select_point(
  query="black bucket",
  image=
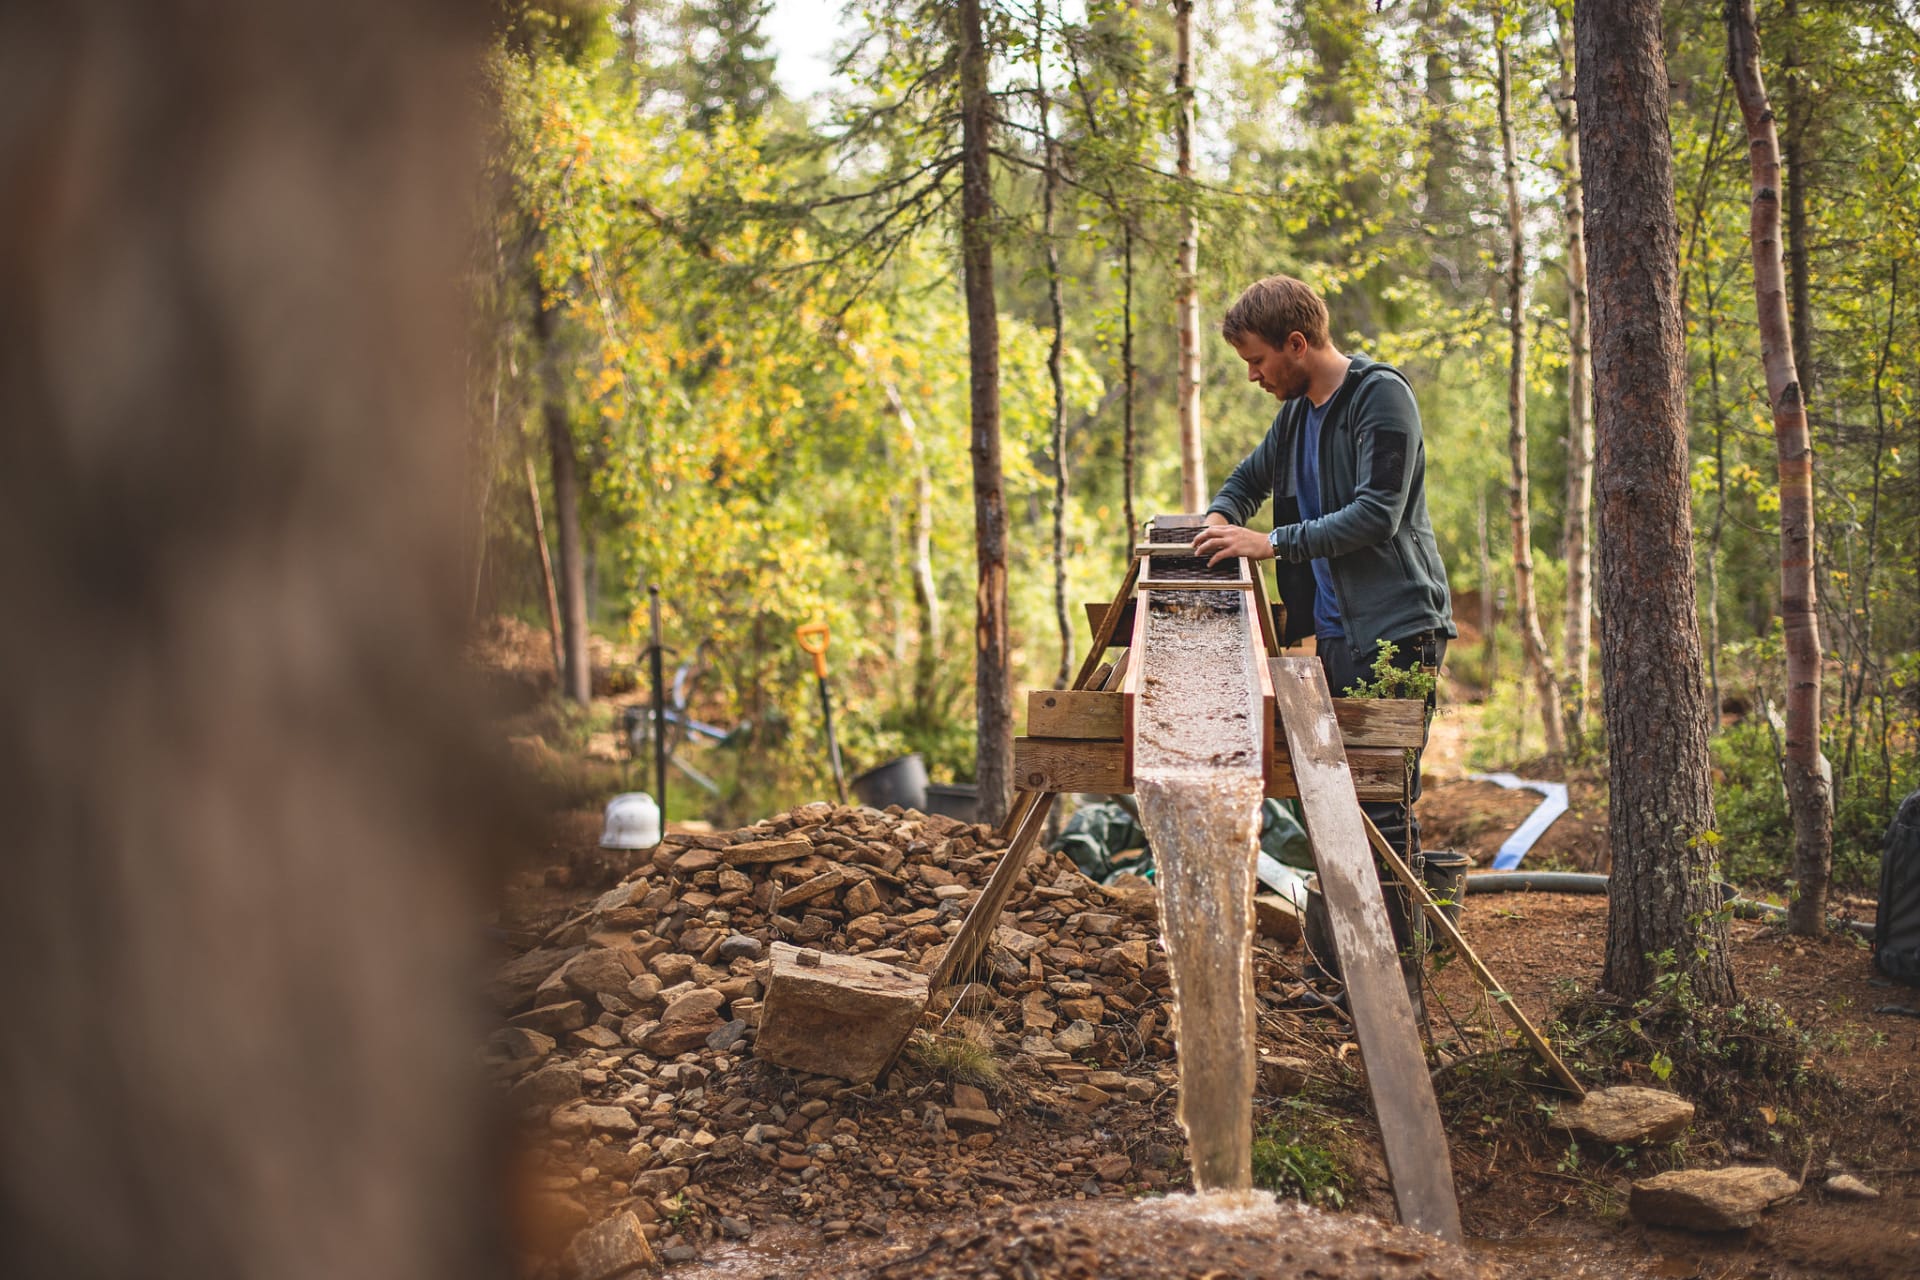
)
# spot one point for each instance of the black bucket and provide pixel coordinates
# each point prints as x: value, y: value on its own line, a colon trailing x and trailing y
x: 1445, y: 873
x: 901, y: 781
x: 954, y: 800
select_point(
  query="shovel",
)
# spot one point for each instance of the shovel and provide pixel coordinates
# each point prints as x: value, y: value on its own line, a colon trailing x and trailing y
x: 813, y: 637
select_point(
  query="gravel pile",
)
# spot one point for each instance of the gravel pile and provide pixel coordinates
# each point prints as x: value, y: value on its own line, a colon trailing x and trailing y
x: 628, y: 1045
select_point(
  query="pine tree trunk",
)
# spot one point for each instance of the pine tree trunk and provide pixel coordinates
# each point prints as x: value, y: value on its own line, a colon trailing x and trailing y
x: 993, y: 696
x: 1809, y: 787
x: 1519, y: 513
x: 1663, y: 907
x: 1126, y: 376
x: 1577, y: 647
x: 1056, y: 303
x: 1193, y: 469
x: 546, y: 567
x: 576, y: 681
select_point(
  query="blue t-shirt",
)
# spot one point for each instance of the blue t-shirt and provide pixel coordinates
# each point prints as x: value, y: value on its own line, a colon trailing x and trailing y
x: 1326, y: 608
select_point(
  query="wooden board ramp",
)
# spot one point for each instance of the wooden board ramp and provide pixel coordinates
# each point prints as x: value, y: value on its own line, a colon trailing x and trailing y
x: 1418, y: 1165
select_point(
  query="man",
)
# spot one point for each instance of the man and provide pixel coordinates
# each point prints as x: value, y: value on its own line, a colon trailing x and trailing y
x: 1358, y: 565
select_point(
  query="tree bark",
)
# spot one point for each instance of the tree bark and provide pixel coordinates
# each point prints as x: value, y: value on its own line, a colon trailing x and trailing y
x: 993, y: 696
x: 1809, y: 785
x: 576, y: 681
x: 1056, y: 303
x: 1126, y: 377
x: 1664, y: 911
x: 1193, y: 469
x: 1519, y: 507
x: 244, y: 825
x: 1796, y: 179
x: 1577, y: 645
x: 926, y: 594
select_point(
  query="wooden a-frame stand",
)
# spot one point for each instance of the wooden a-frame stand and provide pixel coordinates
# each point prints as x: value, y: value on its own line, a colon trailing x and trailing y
x: 1331, y: 755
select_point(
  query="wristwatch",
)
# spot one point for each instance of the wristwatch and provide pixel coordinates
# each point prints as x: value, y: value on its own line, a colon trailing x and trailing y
x: 1273, y: 540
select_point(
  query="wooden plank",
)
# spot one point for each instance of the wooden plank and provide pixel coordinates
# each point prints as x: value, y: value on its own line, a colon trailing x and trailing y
x: 1096, y: 609
x: 1378, y: 722
x: 1418, y: 1165
x: 1488, y: 982
x: 1377, y: 774
x: 1070, y: 764
x: 964, y: 952
x: 1073, y: 713
x: 1119, y: 673
x: 1195, y: 584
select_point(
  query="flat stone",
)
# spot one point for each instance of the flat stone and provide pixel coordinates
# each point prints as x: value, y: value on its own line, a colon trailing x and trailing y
x: 663, y: 1181
x: 548, y: 1087
x: 553, y: 1019
x: 1710, y: 1199
x: 845, y: 1016
x: 1626, y: 1114
x: 969, y: 1097
x: 1113, y: 1168
x: 861, y: 898
x: 973, y: 1118
x: 699, y: 1005
x: 600, y: 971
x: 760, y: 852
x: 515, y: 981
x: 608, y: 1249
x: 597, y: 1037
x: 519, y: 1044
x: 728, y: 1035
x: 610, y: 1119
x: 671, y: 1039
x: 1274, y: 917
x: 1848, y: 1187
x: 1077, y: 1038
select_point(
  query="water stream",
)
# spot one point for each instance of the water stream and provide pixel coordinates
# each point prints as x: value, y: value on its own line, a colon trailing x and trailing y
x: 1198, y: 779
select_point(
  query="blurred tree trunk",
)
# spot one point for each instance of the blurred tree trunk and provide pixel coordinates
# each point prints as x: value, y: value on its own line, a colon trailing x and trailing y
x: 1663, y: 906
x: 1519, y: 507
x: 1186, y: 306
x: 926, y: 593
x: 236, y: 934
x: 576, y: 679
x: 993, y: 694
x: 1809, y: 785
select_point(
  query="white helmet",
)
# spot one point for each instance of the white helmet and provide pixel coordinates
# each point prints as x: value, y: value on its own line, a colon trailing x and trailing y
x: 633, y: 822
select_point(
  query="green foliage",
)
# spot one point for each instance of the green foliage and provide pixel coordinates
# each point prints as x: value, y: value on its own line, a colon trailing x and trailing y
x: 1298, y: 1153
x: 1390, y: 681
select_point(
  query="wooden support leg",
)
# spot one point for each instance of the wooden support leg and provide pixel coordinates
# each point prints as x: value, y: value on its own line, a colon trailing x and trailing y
x: 976, y: 930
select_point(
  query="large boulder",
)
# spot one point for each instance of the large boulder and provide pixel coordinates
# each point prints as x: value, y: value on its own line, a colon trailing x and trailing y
x: 1710, y: 1199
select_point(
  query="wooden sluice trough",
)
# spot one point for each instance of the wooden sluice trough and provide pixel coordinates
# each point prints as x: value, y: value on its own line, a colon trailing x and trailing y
x: 1330, y: 755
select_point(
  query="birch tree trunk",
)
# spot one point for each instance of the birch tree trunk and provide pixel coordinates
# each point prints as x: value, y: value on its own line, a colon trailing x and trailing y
x: 1050, y: 181
x: 1661, y: 898
x: 1577, y: 645
x: 1519, y: 513
x: 993, y: 696
x: 926, y: 594
x: 546, y: 567
x: 1809, y: 785
x: 1193, y: 470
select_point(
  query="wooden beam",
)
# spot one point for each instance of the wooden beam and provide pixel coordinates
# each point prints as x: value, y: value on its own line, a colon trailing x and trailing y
x: 1195, y: 584
x: 1382, y: 722
x: 970, y: 943
x: 1070, y: 713
x: 1068, y: 764
x: 1418, y: 1166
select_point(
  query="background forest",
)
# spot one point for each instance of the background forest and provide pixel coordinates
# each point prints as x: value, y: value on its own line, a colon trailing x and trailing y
x: 724, y: 348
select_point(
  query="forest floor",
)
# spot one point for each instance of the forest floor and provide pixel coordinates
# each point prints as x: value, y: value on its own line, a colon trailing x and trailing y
x: 735, y: 1168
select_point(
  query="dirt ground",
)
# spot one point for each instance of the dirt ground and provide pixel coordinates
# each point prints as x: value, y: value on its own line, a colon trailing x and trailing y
x: 1080, y: 1183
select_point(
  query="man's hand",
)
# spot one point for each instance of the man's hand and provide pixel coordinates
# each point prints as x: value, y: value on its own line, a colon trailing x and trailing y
x: 1218, y: 542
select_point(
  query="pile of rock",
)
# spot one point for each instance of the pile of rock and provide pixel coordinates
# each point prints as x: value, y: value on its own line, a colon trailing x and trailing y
x: 631, y: 1026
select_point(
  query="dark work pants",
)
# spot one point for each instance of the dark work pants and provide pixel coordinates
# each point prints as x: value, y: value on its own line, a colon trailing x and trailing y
x: 1345, y: 668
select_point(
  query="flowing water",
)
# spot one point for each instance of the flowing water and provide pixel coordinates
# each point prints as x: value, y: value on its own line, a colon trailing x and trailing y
x: 1198, y: 776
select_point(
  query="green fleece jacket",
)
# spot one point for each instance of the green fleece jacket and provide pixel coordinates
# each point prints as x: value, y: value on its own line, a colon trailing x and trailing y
x: 1374, y: 534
